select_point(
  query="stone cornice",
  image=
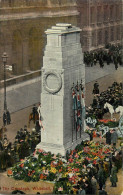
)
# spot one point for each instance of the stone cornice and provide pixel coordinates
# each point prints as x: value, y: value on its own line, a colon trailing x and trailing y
x: 6, y: 17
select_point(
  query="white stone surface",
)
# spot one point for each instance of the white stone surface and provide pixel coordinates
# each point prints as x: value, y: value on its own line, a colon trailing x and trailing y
x: 62, y: 65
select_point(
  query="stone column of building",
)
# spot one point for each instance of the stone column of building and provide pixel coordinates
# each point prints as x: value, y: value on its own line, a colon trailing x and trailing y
x: 62, y: 65
x: 25, y: 55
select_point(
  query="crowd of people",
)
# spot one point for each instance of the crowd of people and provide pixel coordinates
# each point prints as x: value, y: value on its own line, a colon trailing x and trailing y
x: 94, y: 176
x: 24, y: 145
x: 113, y: 95
x: 111, y: 54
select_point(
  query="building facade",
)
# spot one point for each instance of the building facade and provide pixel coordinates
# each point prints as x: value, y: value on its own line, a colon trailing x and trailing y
x: 101, y: 23
x: 23, y: 23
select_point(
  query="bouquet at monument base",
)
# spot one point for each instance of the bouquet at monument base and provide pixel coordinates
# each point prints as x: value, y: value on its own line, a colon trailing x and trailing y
x: 64, y: 172
x: 109, y: 123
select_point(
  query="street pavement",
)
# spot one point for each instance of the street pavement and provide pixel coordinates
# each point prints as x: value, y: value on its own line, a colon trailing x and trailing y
x: 25, y: 94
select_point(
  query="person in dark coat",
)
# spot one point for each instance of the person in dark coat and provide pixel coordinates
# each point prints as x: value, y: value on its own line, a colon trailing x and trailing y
x: 4, y: 118
x: 113, y: 176
x: 114, y: 137
x: 96, y: 88
x: 34, y: 111
x: 115, y: 62
x: 101, y: 63
x: 93, y: 185
x: 91, y: 135
x: 108, y: 137
x: 101, y: 177
x: 103, y: 192
x: 1, y: 146
x: 8, y: 117
x: 81, y: 191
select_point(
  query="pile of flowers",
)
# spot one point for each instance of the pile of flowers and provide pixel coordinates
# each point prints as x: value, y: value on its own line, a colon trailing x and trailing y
x: 94, y: 132
x: 65, y: 172
x: 110, y: 123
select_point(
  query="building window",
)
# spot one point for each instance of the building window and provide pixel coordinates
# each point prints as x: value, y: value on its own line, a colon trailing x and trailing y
x: 92, y: 13
x: 106, y: 13
x: 99, y: 38
x: 10, y: 3
x: 112, y: 34
x: 111, y: 12
x: 118, y: 11
x: 118, y: 33
x: 106, y: 37
x: 93, y: 39
x: 99, y: 14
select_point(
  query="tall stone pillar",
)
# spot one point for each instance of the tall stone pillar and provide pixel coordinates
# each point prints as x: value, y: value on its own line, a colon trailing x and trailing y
x: 62, y: 66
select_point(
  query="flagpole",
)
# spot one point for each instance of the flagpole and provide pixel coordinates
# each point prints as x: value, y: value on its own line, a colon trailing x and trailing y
x: 73, y: 118
x: 73, y: 126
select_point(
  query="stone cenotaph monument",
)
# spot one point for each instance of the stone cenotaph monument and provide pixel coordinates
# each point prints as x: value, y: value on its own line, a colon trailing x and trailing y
x: 62, y: 66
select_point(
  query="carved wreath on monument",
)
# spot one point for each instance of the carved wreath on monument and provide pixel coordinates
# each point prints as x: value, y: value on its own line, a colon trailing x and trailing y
x: 52, y: 82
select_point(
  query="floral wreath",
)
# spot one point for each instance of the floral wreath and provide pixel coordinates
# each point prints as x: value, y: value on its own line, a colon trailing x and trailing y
x: 50, y: 90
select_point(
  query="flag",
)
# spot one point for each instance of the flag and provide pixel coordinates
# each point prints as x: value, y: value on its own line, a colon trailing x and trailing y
x: 78, y: 101
x: 74, y: 100
x: 79, y: 121
x: 82, y: 99
x: 83, y: 105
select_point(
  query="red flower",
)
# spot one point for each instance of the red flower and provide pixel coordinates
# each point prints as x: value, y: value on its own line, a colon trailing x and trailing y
x: 88, y: 158
x: 29, y: 174
x: 106, y: 120
x: 21, y: 165
x: 76, y: 169
x: 70, y: 160
x: 60, y: 170
x: 9, y: 172
x: 94, y: 134
x: 45, y: 154
x: 71, y: 152
x: 97, y: 143
x: 76, y: 155
x: 40, y: 150
x: 86, y: 149
x: 60, y: 189
x: 41, y: 176
x: 94, y: 162
x: 34, y: 153
x: 77, y: 162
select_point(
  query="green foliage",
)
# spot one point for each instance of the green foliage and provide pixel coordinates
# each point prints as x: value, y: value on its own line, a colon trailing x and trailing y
x: 79, y: 147
x: 51, y: 177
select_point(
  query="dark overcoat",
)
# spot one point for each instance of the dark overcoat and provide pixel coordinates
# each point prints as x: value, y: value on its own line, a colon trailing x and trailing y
x: 108, y: 138
x: 113, y: 177
x: 114, y: 137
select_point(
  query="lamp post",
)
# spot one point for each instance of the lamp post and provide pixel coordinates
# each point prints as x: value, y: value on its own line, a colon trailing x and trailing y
x: 4, y: 58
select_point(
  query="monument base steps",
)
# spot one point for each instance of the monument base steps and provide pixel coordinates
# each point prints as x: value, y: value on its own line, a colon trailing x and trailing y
x: 62, y: 149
